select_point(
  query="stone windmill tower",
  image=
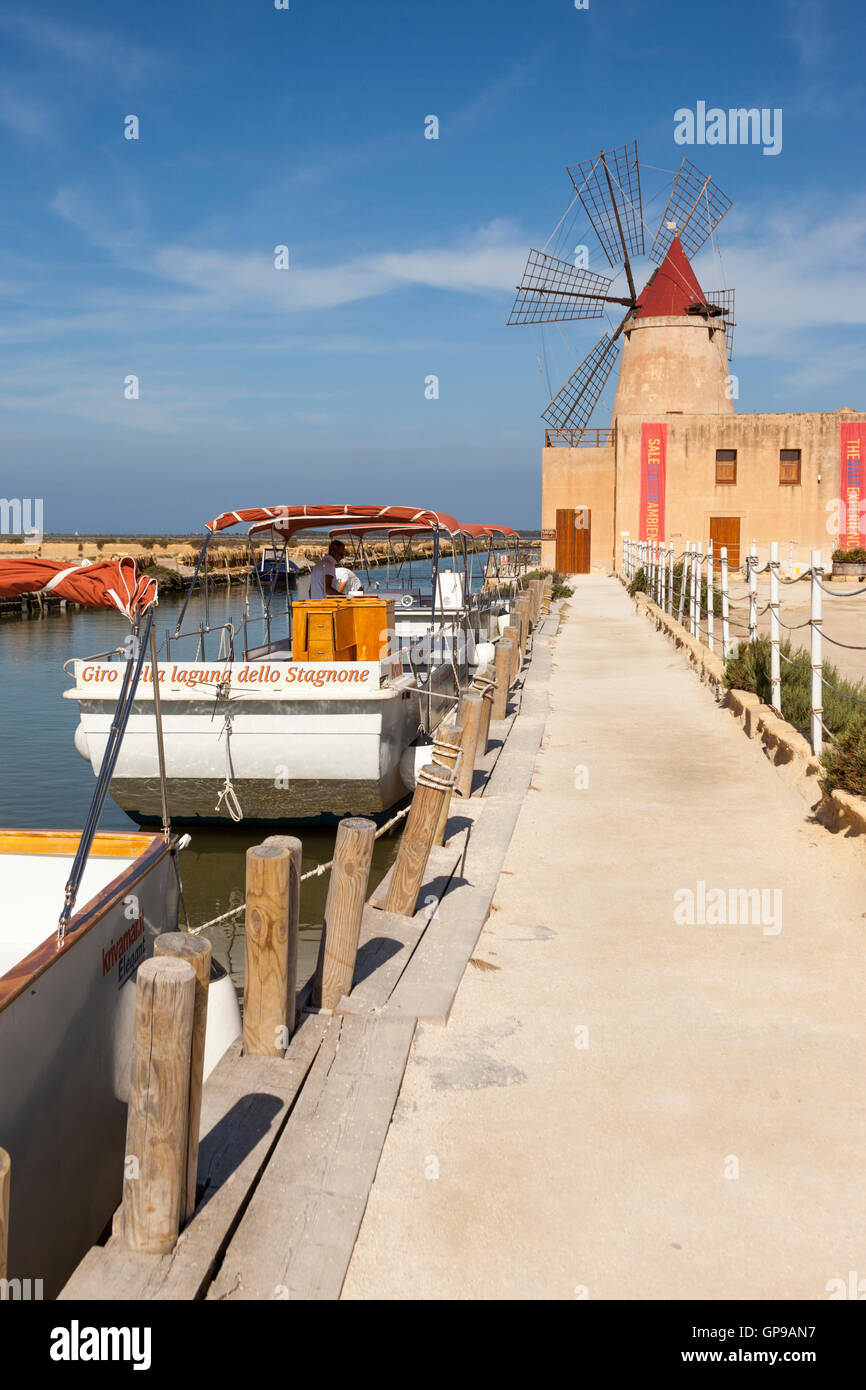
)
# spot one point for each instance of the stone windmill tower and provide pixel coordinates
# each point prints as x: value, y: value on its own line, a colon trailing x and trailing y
x: 677, y: 339
x: 674, y: 356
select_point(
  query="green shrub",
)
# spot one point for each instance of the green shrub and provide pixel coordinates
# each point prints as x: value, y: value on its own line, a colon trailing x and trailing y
x: 559, y: 587
x: 640, y: 583
x: 844, y: 760
x: 750, y: 670
x: 855, y: 556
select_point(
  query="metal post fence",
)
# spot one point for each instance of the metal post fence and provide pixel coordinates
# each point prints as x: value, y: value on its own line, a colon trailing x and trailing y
x: 711, y: 600
x: 775, y: 662
x: 692, y: 596
x: 670, y: 603
x: 683, y: 574
x: 817, y: 662
x: 752, y: 567
x: 663, y: 574
x: 726, y: 627
x: 698, y: 589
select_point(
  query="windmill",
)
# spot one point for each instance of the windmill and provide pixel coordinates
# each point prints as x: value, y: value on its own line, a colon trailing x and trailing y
x: 554, y: 291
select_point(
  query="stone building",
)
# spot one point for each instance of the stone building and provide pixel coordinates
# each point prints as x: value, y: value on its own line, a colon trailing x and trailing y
x: 679, y: 464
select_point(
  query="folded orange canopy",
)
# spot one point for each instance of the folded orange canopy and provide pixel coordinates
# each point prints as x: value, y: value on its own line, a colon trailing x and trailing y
x: 105, y: 584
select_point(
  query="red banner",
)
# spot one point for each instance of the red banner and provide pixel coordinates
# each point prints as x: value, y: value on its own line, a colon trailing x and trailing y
x: 852, y: 438
x: 653, y: 458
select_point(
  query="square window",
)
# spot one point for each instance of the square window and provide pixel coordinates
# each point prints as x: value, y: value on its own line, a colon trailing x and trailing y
x: 726, y: 465
x: 789, y: 466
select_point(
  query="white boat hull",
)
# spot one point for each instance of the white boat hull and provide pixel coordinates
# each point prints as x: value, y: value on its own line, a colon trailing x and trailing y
x: 65, y: 1063
x: 288, y: 754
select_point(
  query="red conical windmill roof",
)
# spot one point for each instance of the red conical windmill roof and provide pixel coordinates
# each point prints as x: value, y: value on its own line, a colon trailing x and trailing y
x: 672, y: 288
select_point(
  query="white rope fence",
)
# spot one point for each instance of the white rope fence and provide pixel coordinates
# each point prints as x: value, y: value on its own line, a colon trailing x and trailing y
x: 694, y: 606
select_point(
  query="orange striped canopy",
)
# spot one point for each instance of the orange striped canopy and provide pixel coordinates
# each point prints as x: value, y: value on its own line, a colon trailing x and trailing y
x: 287, y: 520
x: 104, y: 584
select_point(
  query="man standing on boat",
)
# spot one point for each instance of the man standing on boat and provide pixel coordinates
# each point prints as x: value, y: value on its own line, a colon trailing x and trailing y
x: 323, y: 576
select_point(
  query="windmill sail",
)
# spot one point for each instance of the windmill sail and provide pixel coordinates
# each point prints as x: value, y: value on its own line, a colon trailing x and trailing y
x: 552, y: 291
x: 724, y: 301
x: 694, y: 209
x: 609, y: 188
x: 573, y: 405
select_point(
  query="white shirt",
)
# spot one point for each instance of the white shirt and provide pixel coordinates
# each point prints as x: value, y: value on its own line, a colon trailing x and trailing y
x: 349, y: 580
x: 326, y: 566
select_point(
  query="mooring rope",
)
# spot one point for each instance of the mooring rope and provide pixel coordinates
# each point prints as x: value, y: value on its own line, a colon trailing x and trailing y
x: 311, y: 873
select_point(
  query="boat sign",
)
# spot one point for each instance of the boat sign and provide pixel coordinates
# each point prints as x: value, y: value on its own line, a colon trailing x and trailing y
x: 310, y: 680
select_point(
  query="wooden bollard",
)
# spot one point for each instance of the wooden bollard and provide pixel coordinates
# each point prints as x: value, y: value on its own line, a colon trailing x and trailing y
x: 486, y: 689
x: 447, y: 743
x: 197, y: 951
x: 5, y: 1183
x: 155, y: 1162
x: 266, y: 952
x: 431, y: 793
x: 512, y: 635
x: 536, y: 599
x: 504, y: 667
x: 344, y: 907
x: 469, y: 717
x: 523, y: 620
x: 296, y: 854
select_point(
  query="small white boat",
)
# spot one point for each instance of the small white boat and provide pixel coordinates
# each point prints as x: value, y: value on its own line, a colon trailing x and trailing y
x: 67, y: 996
x: 317, y: 710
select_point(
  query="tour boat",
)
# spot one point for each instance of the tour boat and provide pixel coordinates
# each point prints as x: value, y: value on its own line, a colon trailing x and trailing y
x: 315, y: 708
x: 80, y: 911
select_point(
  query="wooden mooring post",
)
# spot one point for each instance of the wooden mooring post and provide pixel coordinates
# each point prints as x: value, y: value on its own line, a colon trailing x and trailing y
x: 5, y: 1184
x: 197, y: 951
x: 446, y: 752
x: 512, y: 635
x: 266, y: 952
x: 156, y: 1130
x: 523, y: 622
x: 486, y: 689
x: 469, y: 713
x: 344, y: 907
x: 296, y: 855
x: 431, y: 792
x: 504, y: 668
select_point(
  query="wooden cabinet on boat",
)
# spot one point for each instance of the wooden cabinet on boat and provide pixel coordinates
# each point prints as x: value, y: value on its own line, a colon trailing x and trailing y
x: 338, y: 629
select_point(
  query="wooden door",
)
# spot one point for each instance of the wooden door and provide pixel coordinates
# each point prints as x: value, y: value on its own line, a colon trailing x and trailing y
x: 725, y: 530
x: 573, y: 539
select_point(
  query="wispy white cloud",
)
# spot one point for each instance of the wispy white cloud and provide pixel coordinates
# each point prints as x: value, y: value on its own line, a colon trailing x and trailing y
x: 808, y: 30
x: 483, y: 262
x: 25, y: 115
x: 797, y: 277
x: 78, y: 45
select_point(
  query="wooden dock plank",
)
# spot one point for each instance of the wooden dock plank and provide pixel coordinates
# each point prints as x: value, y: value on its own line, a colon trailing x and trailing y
x: 297, y: 1235
x: 244, y: 1106
x: 441, y: 863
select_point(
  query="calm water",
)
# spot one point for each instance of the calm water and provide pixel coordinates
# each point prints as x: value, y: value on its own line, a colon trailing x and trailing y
x: 44, y: 784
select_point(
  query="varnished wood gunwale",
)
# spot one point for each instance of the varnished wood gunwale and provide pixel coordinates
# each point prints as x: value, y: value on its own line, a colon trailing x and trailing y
x: 106, y: 845
x: 23, y: 974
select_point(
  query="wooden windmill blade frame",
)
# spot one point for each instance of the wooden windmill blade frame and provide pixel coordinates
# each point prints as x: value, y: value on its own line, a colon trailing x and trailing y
x: 574, y: 403
x: 695, y: 208
x: 724, y: 301
x: 553, y: 291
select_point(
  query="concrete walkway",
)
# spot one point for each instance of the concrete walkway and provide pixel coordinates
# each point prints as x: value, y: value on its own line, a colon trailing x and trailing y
x: 622, y: 1105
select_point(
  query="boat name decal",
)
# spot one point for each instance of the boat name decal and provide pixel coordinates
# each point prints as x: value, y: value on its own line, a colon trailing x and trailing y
x: 126, y: 951
x: 257, y: 673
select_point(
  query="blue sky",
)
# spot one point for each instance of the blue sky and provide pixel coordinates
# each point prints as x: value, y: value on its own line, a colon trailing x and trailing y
x: 261, y: 127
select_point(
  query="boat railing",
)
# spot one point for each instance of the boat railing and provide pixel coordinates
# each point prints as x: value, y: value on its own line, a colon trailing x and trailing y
x: 201, y: 633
